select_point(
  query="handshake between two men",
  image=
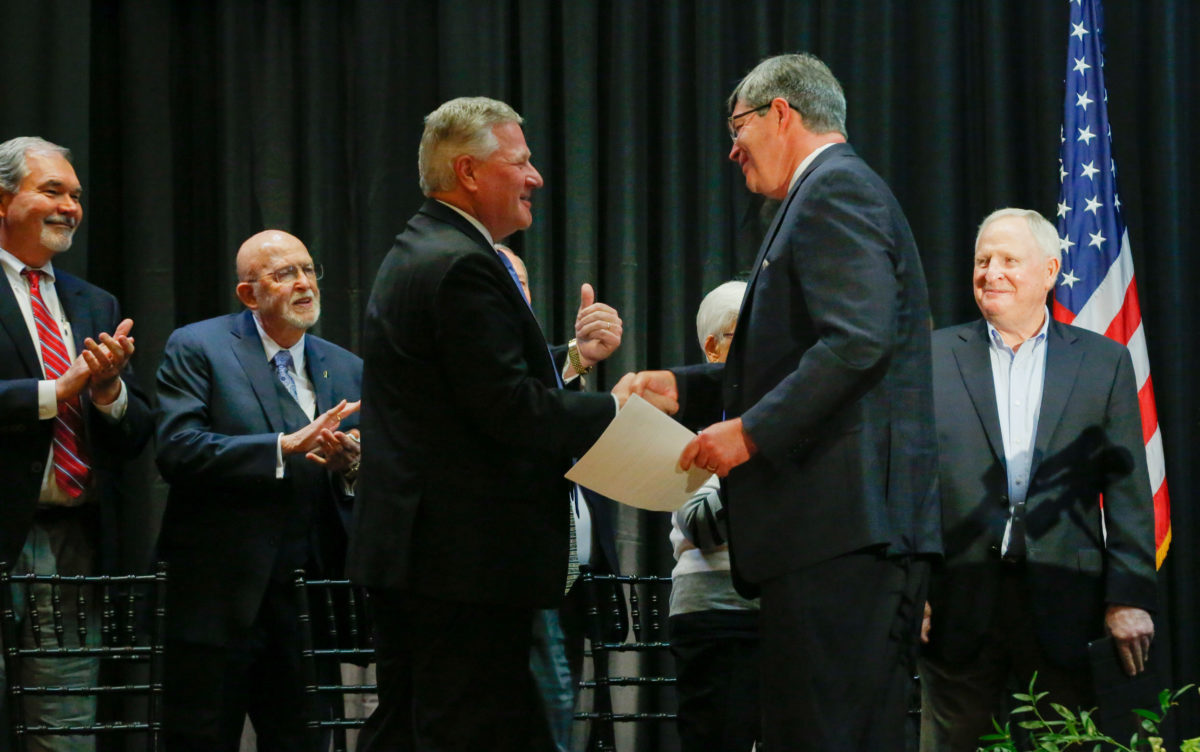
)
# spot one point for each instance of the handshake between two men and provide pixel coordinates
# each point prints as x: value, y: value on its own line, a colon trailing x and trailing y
x: 718, y: 448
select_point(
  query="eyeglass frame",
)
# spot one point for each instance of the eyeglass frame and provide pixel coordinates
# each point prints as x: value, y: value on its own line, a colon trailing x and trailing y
x: 735, y: 131
x: 314, y: 272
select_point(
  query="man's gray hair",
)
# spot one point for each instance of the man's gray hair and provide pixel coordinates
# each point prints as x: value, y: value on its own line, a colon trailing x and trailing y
x: 460, y: 126
x: 805, y: 82
x: 1045, y: 236
x: 719, y: 310
x: 13, y: 167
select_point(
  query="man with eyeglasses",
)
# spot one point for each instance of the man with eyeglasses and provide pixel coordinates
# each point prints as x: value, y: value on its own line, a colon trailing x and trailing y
x: 257, y: 437
x: 821, y: 422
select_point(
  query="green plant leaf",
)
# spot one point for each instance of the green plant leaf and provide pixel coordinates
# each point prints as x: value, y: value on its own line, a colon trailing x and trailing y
x: 1148, y: 715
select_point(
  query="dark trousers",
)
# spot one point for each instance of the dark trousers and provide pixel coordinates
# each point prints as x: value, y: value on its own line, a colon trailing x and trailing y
x: 453, y: 677
x: 839, y: 641
x: 716, y: 668
x: 211, y: 689
x: 959, y: 699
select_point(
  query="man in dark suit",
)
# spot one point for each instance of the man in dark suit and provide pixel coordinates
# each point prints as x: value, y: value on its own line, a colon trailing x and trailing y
x: 260, y: 475
x: 827, y: 445
x: 70, y: 413
x: 1036, y: 421
x: 462, y: 526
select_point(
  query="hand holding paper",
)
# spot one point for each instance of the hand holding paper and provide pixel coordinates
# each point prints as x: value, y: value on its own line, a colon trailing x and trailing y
x: 635, y: 460
x: 719, y: 448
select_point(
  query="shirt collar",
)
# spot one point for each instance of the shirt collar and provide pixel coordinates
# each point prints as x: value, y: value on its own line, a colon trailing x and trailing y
x: 13, y: 266
x: 997, y: 339
x: 475, y: 222
x: 271, y: 347
x: 807, y: 161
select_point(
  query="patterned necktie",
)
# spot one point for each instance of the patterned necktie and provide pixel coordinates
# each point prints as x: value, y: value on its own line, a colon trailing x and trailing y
x: 70, y: 461
x: 283, y: 372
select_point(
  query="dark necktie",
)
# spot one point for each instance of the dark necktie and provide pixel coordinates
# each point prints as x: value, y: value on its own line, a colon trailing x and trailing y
x: 71, y: 468
x: 573, y: 554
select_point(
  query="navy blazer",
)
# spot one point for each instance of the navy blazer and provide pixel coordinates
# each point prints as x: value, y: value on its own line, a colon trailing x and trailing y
x: 219, y: 417
x: 467, y: 435
x: 1088, y: 444
x: 25, y: 439
x: 830, y: 373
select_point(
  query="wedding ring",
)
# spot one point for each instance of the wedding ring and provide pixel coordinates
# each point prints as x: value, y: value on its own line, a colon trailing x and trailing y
x: 711, y: 468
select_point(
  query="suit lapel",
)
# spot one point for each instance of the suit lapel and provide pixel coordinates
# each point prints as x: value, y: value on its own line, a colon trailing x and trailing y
x: 1062, y: 367
x: 74, y: 305
x: 13, y: 322
x: 975, y: 367
x: 442, y: 213
x: 318, y: 374
x: 248, y: 349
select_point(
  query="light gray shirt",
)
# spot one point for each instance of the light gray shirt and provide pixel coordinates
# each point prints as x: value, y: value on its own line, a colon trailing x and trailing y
x: 1018, y: 377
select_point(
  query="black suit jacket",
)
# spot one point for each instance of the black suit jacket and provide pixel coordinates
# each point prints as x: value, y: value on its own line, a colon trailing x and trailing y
x: 462, y: 495
x: 220, y: 411
x: 25, y: 440
x: 830, y: 373
x: 1088, y: 444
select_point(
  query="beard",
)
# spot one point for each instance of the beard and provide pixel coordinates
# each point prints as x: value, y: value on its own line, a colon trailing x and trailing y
x: 305, y: 320
x: 57, y: 233
x: 280, y: 308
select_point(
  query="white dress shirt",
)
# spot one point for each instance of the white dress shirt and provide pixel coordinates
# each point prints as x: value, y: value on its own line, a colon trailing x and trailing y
x: 47, y: 398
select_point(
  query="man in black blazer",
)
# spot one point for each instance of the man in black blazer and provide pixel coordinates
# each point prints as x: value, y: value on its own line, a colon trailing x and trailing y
x: 1036, y: 422
x: 462, y: 526
x: 70, y: 413
x: 257, y: 441
x: 827, y: 445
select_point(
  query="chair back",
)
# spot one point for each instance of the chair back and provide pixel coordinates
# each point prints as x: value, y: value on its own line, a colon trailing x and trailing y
x: 633, y: 680
x: 336, y: 630
x: 117, y: 620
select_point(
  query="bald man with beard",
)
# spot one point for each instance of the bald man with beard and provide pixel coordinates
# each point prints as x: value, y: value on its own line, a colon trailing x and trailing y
x: 257, y: 437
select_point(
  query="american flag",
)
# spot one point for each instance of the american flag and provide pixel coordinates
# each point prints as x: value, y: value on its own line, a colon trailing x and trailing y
x: 1096, y: 289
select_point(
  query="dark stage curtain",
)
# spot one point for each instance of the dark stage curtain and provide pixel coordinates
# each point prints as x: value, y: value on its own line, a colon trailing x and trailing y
x: 195, y: 124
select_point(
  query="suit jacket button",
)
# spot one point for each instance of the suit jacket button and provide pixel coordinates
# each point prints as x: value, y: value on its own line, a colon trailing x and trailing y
x: 37, y: 468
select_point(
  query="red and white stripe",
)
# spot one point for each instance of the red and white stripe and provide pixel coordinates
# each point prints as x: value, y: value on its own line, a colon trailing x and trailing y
x: 1113, y: 311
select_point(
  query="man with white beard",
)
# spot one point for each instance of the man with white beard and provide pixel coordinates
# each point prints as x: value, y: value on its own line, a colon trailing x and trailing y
x: 258, y: 438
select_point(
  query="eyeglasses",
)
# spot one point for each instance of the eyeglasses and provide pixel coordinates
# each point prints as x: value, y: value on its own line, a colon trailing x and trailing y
x: 289, y: 274
x: 732, y: 121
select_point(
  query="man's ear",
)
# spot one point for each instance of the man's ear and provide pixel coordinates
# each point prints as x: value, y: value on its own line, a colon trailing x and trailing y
x: 710, y: 349
x: 464, y: 170
x: 5, y: 199
x: 1053, y: 266
x: 245, y: 293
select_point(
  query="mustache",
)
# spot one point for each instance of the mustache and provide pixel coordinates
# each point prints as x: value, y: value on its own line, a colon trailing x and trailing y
x: 62, y: 219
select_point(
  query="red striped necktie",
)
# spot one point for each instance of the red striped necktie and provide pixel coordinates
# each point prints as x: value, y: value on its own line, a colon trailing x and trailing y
x: 70, y: 460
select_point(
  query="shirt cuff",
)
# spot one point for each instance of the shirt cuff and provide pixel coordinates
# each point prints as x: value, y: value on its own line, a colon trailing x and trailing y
x: 616, y: 405
x: 115, y: 410
x: 47, y: 400
x: 279, y: 466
